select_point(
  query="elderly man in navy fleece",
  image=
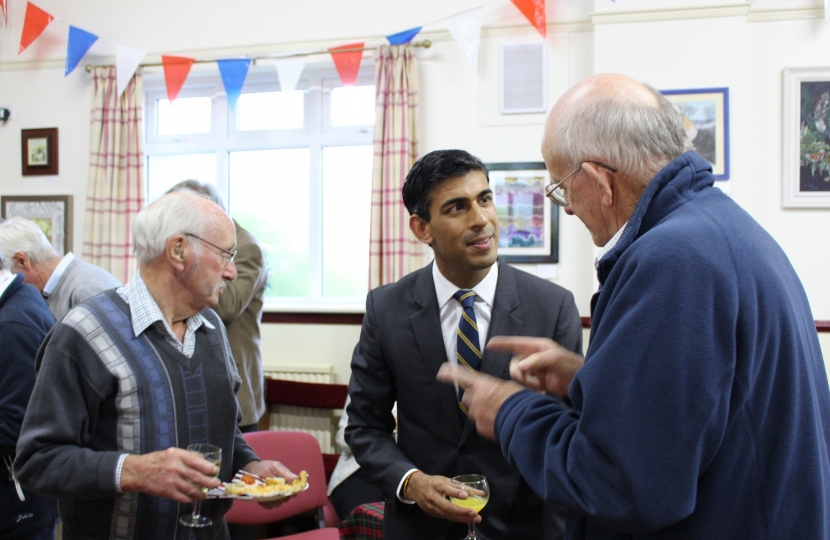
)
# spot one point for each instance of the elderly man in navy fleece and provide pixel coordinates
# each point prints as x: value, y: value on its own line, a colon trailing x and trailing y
x: 702, y: 409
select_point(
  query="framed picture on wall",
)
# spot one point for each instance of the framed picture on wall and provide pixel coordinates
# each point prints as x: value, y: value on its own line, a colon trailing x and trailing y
x: 40, y: 151
x: 706, y: 115
x: 52, y: 213
x: 528, y: 221
x: 806, y: 159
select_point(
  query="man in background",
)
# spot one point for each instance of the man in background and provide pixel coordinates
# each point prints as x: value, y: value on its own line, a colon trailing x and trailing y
x: 131, y: 377
x: 64, y: 281
x: 446, y: 312
x: 240, y: 308
x: 702, y: 409
x: 24, y: 322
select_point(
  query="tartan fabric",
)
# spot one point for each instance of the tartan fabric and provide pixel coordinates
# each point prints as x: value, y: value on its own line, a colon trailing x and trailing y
x: 468, y: 351
x: 365, y: 522
x: 115, y: 191
x: 393, y: 250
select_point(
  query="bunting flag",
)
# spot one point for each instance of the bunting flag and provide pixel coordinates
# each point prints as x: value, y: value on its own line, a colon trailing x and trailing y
x: 79, y: 43
x: 534, y: 10
x: 127, y: 61
x: 289, y: 71
x: 34, y: 23
x: 403, y: 37
x: 466, y: 30
x: 176, y: 69
x: 347, y: 63
x: 233, y: 77
x: 4, y: 8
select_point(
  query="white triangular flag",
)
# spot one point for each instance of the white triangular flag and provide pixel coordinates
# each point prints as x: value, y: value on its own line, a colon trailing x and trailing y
x: 289, y: 71
x: 466, y: 29
x: 127, y: 60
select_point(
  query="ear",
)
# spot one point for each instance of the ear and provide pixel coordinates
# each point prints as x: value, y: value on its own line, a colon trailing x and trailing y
x: 604, y: 181
x: 175, y: 251
x: 420, y: 228
x: 22, y: 260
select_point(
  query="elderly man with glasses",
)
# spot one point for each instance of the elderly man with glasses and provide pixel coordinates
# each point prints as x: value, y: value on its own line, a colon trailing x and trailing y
x: 702, y: 407
x: 132, y: 377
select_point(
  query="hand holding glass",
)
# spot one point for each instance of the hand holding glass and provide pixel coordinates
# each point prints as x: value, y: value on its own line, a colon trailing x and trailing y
x: 213, y: 454
x: 478, y: 493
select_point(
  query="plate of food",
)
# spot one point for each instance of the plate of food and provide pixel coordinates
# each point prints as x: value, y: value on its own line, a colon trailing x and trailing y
x: 248, y: 486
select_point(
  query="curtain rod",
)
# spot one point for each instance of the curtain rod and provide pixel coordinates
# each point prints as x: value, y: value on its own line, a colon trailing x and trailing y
x: 426, y: 44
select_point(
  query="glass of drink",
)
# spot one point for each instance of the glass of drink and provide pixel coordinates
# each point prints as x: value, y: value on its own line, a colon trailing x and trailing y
x: 478, y: 493
x: 213, y: 454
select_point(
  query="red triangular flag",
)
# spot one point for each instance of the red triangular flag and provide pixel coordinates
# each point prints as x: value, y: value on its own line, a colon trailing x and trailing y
x: 34, y: 24
x: 176, y: 69
x: 5, y: 9
x: 534, y: 10
x: 347, y: 63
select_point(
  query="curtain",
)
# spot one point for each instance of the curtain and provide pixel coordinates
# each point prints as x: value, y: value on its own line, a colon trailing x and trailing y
x: 115, y: 192
x: 393, y: 249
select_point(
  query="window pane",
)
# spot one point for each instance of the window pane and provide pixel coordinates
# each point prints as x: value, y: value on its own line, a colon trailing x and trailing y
x: 269, y: 196
x: 185, y: 115
x: 270, y: 110
x: 164, y: 172
x: 353, y: 106
x: 347, y: 198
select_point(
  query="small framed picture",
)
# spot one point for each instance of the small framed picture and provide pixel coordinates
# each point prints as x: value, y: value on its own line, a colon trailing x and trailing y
x: 40, y: 151
x: 528, y: 221
x: 706, y: 115
x: 806, y: 157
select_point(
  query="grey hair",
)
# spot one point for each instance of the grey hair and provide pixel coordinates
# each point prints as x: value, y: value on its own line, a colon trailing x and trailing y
x: 175, y: 213
x: 207, y: 190
x: 633, y: 135
x: 19, y: 235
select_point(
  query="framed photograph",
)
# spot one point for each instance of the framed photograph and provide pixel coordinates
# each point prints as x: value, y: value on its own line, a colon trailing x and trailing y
x: 40, y: 151
x: 806, y: 138
x: 706, y: 112
x: 52, y: 213
x: 528, y: 221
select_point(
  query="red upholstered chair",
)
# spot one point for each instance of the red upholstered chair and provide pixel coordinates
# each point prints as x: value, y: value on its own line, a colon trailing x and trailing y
x: 298, y: 451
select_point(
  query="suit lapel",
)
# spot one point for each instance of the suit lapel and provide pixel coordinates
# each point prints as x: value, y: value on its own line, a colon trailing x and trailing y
x: 425, y: 324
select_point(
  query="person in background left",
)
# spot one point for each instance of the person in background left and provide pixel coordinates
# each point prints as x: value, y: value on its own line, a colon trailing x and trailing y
x: 64, y: 281
x: 24, y: 322
x: 240, y: 308
x: 131, y: 377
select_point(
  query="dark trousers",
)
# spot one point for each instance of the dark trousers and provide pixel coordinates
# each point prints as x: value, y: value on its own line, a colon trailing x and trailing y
x: 354, y: 491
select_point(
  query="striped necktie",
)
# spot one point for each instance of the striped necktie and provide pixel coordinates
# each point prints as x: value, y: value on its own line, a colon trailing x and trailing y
x: 468, y: 351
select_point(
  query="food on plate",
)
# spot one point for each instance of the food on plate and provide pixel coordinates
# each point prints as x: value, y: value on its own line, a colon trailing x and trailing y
x: 271, y: 487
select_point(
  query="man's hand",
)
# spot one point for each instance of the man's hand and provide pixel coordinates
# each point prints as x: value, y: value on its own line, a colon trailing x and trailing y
x: 431, y: 492
x: 539, y: 363
x: 483, y: 395
x: 172, y: 474
x: 267, y: 468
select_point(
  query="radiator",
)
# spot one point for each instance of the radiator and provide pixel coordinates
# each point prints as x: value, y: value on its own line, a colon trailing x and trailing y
x: 321, y: 423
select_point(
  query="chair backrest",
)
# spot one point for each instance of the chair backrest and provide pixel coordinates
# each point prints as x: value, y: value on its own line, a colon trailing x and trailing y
x: 296, y: 450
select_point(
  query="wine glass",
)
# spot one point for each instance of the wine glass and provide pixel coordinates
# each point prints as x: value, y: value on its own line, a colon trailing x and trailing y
x: 478, y: 493
x: 213, y: 454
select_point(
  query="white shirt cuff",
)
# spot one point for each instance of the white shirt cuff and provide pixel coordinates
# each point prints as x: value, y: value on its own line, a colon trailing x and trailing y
x: 400, y: 487
x: 118, y: 468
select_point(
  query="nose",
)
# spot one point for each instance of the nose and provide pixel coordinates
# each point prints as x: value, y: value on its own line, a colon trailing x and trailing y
x: 230, y: 271
x: 478, y: 218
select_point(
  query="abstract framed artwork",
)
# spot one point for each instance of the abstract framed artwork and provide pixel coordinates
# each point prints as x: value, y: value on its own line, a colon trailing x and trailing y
x: 40, y: 151
x: 528, y: 221
x: 706, y: 116
x: 806, y: 160
x: 52, y: 213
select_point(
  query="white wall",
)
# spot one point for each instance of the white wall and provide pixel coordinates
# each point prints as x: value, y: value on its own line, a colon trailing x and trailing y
x: 668, y: 43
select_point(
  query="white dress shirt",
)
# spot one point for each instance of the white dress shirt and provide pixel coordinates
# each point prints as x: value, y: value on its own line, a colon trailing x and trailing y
x: 57, y: 274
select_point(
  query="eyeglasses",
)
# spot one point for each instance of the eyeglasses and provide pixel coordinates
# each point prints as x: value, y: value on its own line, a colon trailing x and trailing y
x: 227, y: 256
x: 554, y: 191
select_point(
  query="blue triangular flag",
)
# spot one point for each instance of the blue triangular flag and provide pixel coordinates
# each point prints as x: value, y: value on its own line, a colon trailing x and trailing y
x: 403, y: 37
x: 233, y: 76
x: 79, y: 43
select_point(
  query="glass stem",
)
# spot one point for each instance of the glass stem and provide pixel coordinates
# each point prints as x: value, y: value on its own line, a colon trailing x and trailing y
x: 196, y: 504
x: 471, y: 532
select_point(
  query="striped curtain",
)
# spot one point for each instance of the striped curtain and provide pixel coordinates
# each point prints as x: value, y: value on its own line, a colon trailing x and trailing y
x: 115, y: 192
x: 393, y: 250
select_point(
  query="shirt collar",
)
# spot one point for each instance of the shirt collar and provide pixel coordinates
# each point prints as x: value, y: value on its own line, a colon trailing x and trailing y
x: 485, y: 290
x: 6, y: 279
x: 609, y: 245
x: 144, y: 310
x: 56, y: 276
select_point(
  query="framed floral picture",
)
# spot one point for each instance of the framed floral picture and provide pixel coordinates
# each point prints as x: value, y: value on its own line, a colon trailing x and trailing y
x: 706, y: 115
x: 806, y: 159
x: 52, y: 213
x: 40, y: 151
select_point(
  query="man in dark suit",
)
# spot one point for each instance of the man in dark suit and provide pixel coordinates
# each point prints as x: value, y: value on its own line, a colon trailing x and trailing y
x: 411, y: 327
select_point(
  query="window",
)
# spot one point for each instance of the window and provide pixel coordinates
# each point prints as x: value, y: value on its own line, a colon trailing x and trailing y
x: 295, y: 169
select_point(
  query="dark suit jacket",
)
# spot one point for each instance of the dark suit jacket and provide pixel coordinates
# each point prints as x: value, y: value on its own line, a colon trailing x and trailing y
x: 397, y: 359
